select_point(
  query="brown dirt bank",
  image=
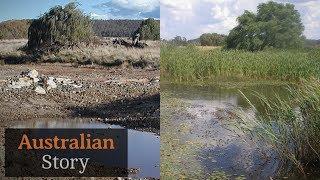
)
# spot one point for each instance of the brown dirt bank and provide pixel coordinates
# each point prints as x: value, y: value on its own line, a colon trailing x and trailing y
x: 125, y: 96
x: 109, y: 94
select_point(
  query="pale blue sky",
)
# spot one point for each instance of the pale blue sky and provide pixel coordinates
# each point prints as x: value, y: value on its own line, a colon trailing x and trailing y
x: 97, y: 9
x: 191, y: 18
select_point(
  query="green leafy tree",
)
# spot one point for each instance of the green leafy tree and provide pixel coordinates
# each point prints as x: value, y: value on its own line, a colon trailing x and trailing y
x: 2, y: 35
x: 275, y: 25
x: 61, y: 26
x: 211, y: 39
x: 149, y: 29
x: 179, y: 41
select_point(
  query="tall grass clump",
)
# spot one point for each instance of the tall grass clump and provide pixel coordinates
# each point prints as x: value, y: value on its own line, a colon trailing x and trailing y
x: 183, y: 64
x: 290, y: 128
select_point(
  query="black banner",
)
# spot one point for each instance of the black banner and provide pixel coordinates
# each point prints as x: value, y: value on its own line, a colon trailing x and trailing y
x: 66, y: 152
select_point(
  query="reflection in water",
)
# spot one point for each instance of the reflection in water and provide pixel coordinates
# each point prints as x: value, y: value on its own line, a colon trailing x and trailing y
x: 224, y: 147
x: 227, y: 96
x: 143, y: 147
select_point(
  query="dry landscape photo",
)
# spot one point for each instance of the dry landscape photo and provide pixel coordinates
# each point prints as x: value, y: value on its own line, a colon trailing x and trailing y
x: 66, y: 67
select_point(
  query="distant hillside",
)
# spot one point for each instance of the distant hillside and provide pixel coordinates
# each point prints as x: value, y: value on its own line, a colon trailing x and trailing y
x: 17, y: 29
x: 115, y: 28
x: 14, y: 29
x: 194, y: 41
x: 312, y: 43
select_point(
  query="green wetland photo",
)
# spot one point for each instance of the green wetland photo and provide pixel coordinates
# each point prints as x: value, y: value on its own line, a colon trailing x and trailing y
x: 242, y: 100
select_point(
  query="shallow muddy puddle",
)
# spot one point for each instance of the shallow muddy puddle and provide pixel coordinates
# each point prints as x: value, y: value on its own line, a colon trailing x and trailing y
x: 220, y: 146
x: 143, y: 147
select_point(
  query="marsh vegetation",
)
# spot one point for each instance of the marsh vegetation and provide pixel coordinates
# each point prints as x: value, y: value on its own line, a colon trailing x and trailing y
x: 191, y: 64
x: 290, y: 127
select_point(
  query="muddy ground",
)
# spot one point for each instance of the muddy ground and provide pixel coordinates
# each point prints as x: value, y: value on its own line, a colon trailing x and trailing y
x: 124, y: 96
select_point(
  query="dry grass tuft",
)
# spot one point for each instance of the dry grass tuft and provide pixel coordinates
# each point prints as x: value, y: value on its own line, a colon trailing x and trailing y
x: 103, y: 53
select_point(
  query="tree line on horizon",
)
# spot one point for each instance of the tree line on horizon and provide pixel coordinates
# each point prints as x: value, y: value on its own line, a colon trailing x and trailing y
x: 14, y: 29
x: 18, y: 29
x: 67, y: 26
x: 215, y: 39
x: 206, y: 39
x: 115, y: 28
x: 275, y: 25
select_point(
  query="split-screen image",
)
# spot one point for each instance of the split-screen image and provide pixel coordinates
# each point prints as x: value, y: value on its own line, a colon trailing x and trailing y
x: 160, y: 89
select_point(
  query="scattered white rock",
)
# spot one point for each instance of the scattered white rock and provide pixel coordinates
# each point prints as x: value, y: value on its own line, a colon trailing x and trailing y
x: 76, y: 85
x: 68, y: 82
x: 155, y: 79
x: 40, y: 90
x: 64, y: 81
x: 126, y: 81
x: 25, y: 81
x: 35, y: 80
x: 42, y: 83
x: 51, y: 84
x: 14, y: 86
x: 33, y: 73
x: 59, y: 80
x: 22, y: 82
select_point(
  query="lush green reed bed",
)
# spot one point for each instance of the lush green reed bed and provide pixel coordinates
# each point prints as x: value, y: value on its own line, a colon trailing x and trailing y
x: 291, y: 128
x: 190, y: 64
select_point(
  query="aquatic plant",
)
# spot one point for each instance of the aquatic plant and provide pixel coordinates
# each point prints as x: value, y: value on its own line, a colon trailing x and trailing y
x: 218, y: 175
x: 178, y: 157
x: 290, y: 128
x: 191, y: 64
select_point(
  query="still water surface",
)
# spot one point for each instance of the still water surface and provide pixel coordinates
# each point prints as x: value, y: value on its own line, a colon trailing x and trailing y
x: 223, y: 147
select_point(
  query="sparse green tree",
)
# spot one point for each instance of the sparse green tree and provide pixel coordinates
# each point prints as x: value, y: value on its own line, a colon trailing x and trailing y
x: 61, y: 26
x: 211, y: 39
x: 149, y: 29
x: 179, y: 41
x: 275, y: 25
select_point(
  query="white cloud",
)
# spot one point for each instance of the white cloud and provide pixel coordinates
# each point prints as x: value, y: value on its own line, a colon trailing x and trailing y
x: 126, y: 9
x: 112, y: 16
x: 190, y: 18
x: 178, y: 4
x: 178, y: 10
x: 310, y: 18
x: 98, y: 16
x: 140, y: 5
